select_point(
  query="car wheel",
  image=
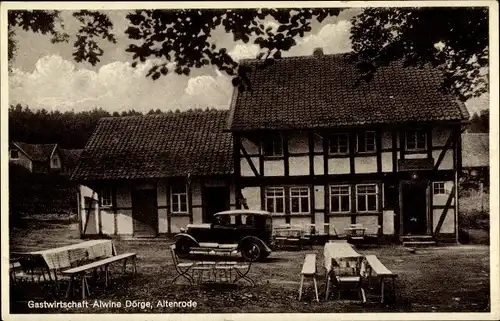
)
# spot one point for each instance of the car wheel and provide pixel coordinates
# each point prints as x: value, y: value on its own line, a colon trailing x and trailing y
x: 183, y: 246
x: 250, y: 251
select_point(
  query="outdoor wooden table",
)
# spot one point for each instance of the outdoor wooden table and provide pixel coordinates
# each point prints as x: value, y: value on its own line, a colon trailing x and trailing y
x: 59, y: 258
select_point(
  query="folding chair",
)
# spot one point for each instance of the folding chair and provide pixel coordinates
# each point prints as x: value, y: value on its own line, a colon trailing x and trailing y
x: 182, y: 269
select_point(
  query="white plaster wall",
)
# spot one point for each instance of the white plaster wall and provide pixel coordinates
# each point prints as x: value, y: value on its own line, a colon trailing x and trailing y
x: 386, y: 162
x: 449, y: 222
x: 196, y: 193
x: 302, y: 222
x: 274, y: 168
x: 124, y: 222
x: 319, y: 197
x: 338, y: 166
x: 319, y: 168
x: 108, y: 221
x: 278, y: 221
x: 252, y: 195
x: 198, y: 215
x: 367, y: 164
x: 298, y: 165
x: 340, y: 223
x: 447, y: 162
x: 319, y: 223
x: 388, y: 222
x: 245, y: 168
x: 179, y: 222
x: 369, y: 222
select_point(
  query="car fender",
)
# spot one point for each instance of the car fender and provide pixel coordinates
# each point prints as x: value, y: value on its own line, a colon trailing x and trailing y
x: 184, y: 235
x: 255, y: 239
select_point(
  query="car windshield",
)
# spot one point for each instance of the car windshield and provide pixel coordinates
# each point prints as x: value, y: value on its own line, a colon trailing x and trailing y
x: 222, y: 220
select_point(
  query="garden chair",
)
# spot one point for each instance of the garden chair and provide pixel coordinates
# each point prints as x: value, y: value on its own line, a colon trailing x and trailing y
x: 28, y: 268
x: 182, y: 269
x: 346, y: 279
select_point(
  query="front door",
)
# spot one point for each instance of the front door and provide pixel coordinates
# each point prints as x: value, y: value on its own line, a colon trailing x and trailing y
x: 145, y: 212
x: 215, y: 199
x: 414, y: 196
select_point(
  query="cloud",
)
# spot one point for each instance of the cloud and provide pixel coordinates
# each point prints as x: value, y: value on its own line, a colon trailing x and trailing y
x: 57, y: 84
x: 244, y: 51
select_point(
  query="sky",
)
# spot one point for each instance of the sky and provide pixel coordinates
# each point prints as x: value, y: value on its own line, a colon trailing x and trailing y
x: 46, y: 76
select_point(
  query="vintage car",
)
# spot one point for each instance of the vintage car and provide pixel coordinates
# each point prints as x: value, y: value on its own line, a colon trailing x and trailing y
x: 249, y: 231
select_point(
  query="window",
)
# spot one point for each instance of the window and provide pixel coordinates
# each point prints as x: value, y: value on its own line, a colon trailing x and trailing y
x: 438, y: 188
x: 367, y: 197
x: 14, y: 154
x: 416, y: 140
x: 106, y: 199
x: 178, y: 197
x: 339, y: 144
x: 340, y: 199
x: 272, y: 146
x: 365, y: 142
x: 275, y: 199
x: 299, y: 200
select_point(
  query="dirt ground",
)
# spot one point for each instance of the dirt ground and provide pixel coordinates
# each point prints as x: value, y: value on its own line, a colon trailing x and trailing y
x: 438, y: 279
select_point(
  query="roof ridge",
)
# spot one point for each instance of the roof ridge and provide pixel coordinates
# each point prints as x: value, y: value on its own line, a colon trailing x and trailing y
x: 304, y: 57
x: 168, y: 114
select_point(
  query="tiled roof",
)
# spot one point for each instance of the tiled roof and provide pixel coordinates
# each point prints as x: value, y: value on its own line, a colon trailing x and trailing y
x: 326, y: 91
x: 475, y: 150
x: 157, y: 146
x: 70, y: 157
x: 37, y: 152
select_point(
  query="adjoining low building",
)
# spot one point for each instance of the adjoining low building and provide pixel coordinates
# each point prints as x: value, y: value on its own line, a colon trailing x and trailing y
x: 37, y: 158
x: 476, y: 157
x: 145, y: 176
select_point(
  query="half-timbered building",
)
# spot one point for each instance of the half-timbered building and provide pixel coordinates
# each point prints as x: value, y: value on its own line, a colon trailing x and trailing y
x: 147, y: 176
x: 315, y: 143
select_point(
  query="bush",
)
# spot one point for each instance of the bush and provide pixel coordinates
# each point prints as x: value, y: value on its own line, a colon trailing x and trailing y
x: 474, y: 210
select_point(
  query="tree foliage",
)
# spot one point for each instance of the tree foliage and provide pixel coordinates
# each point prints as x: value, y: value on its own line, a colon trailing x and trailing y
x: 452, y: 39
x: 480, y: 123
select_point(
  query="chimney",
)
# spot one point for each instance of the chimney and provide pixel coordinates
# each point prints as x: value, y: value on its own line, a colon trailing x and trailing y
x: 318, y: 52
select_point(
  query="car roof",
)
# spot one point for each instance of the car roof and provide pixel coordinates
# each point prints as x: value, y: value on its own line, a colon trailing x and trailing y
x: 239, y: 212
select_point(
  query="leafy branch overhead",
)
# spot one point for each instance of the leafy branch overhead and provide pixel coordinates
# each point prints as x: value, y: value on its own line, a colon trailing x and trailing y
x: 184, y: 37
x: 452, y: 39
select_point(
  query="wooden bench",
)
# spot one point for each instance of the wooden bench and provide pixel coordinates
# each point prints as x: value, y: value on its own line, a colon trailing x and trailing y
x: 374, y: 265
x: 309, y: 270
x: 82, y: 270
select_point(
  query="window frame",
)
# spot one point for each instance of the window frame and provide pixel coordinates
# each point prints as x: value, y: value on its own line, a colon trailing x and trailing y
x: 338, y: 152
x: 300, y: 199
x: 106, y: 200
x: 416, y: 133
x: 434, y: 189
x: 377, y: 195
x: 178, y: 196
x: 272, y: 140
x: 275, y: 198
x: 14, y: 150
x: 349, y: 191
x: 372, y: 132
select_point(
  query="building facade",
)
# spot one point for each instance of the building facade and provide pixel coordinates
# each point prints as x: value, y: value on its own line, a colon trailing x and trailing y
x: 37, y: 158
x: 314, y: 145
x: 147, y: 176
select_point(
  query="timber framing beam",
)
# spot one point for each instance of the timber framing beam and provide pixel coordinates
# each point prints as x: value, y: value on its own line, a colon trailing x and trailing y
x: 249, y: 160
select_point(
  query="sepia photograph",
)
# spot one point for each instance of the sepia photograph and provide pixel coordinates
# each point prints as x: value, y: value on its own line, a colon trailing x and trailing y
x: 291, y: 159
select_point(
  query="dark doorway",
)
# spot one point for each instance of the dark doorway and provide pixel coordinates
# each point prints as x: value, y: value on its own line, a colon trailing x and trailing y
x: 414, y: 208
x: 145, y: 212
x: 215, y: 199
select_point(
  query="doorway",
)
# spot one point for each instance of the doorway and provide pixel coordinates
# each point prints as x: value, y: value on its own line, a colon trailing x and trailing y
x: 215, y: 199
x: 414, y: 214
x: 145, y: 212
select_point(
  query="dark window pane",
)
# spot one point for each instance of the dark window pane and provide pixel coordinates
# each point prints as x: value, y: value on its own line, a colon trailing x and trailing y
x: 335, y: 204
x: 279, y: 205
x: 183, y: 207
x: 361, y: 203
x: 305, y: 205
x: 267, y: 147
x: 278, y: 145
x: 344, y: 203
x: 372, y: 202
x: 295, y: 205
x: 270, y: 205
